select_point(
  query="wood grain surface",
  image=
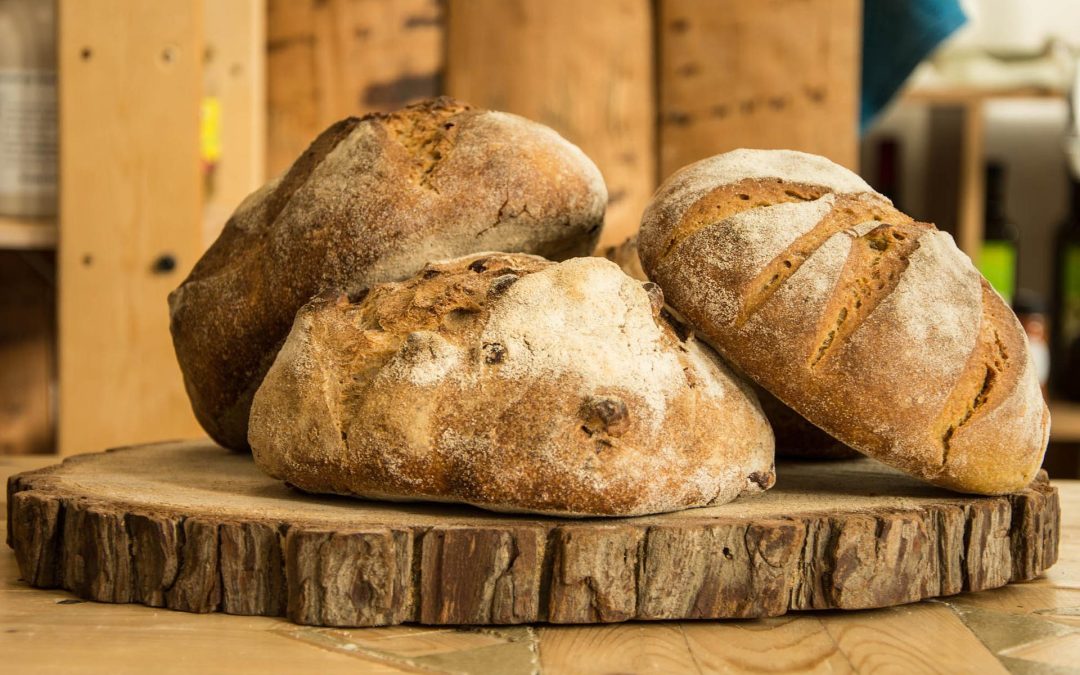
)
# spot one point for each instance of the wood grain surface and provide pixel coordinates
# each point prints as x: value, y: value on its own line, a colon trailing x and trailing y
x: 130, y: 216
x: 190, y: 526
x: 1031, y: 627
x: 782, y: 74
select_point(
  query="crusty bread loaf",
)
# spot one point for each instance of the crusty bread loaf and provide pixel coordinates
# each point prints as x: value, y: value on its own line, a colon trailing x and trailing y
x: 871, y: 325
x: 372, y: 200
x: 795, y: 436
x: 512, y: 383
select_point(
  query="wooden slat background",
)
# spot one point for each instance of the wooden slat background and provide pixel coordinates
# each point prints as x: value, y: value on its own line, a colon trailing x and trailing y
x: 129, y: 167
x: 769, y: 74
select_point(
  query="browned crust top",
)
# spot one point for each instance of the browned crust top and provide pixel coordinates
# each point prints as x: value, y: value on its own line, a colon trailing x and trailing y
x: 825, y: 306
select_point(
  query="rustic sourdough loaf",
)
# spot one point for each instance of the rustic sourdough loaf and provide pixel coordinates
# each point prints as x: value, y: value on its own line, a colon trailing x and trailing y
x: 871, y: 325
x: 795, y: 436
x: 512, y: 383
x: 371, y: 200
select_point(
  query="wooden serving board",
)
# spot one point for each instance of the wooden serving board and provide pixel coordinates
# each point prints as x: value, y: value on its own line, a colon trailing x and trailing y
x: 193, y: 527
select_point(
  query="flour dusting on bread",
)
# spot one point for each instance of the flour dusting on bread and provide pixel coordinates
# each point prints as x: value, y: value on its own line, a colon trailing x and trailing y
x: 551, y: 322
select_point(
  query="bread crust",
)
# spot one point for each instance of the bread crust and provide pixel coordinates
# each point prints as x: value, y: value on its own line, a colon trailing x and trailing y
x: 373, y: 199
x: 874, y: 327
x: 511, y: 383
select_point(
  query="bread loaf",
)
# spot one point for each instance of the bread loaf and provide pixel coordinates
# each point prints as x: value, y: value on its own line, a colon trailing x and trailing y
x: 512, y: 383
x: 795, y: 437
x: 873, y: 326
x: 371, y: 200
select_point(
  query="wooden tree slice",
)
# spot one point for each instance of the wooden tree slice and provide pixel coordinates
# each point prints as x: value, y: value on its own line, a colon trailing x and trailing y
x: 190, y: 526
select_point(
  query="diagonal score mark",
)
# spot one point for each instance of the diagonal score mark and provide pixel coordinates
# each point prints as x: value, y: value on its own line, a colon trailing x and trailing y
x: 732, y: 199
x: 875, y: 263
x: 990, y: 373
x: 848, y: 210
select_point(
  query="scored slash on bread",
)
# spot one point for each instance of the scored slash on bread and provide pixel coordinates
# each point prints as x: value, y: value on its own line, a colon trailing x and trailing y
x: 871, y: 325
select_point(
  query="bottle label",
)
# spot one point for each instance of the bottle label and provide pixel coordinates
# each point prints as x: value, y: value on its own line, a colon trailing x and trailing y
x: 1070, y: 294
x: 27, y: 132
x: 997, y: 262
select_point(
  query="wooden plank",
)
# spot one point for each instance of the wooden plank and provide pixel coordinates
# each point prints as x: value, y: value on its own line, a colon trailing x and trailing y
x: 234, y: 90
x: 130, y: 84
x: 27, y: 233
x: 924, y: 638
x: 27, y: 352
x: 643, y: 649
x: 582, y: 68
x: 782, y: 74
x: 327, y: 59
x: 784, y: 645
x: 972, y: 207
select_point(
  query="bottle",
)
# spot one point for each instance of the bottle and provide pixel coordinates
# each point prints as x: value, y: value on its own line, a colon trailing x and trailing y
x: 999, y: 254
x: 888, y: 170
x: 1030, y: 309
x: 1065, y: 377
x: 27, y: 108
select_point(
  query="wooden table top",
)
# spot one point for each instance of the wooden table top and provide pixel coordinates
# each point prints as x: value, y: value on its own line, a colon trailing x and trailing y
x: 1026, y: 628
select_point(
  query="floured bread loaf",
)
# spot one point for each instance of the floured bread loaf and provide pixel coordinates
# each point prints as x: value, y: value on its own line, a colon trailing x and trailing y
x: 795, y: 436
x: 372, y: 200
x: 512, y: 383
x: 871, y: 325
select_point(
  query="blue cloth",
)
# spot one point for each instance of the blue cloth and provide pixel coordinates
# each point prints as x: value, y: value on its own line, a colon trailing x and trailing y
x: 897, y: 35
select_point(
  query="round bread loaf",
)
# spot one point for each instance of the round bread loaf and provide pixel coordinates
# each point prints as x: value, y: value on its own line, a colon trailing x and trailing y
x: 372, y: 200
x: 874, y: 327
x: 511, y: 383
x: 795, y: 436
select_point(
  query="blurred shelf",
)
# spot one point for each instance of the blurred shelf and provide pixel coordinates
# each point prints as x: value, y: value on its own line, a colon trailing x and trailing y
x: 1064, y: 421
x: 27, y: 233
x: 966, y: 95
